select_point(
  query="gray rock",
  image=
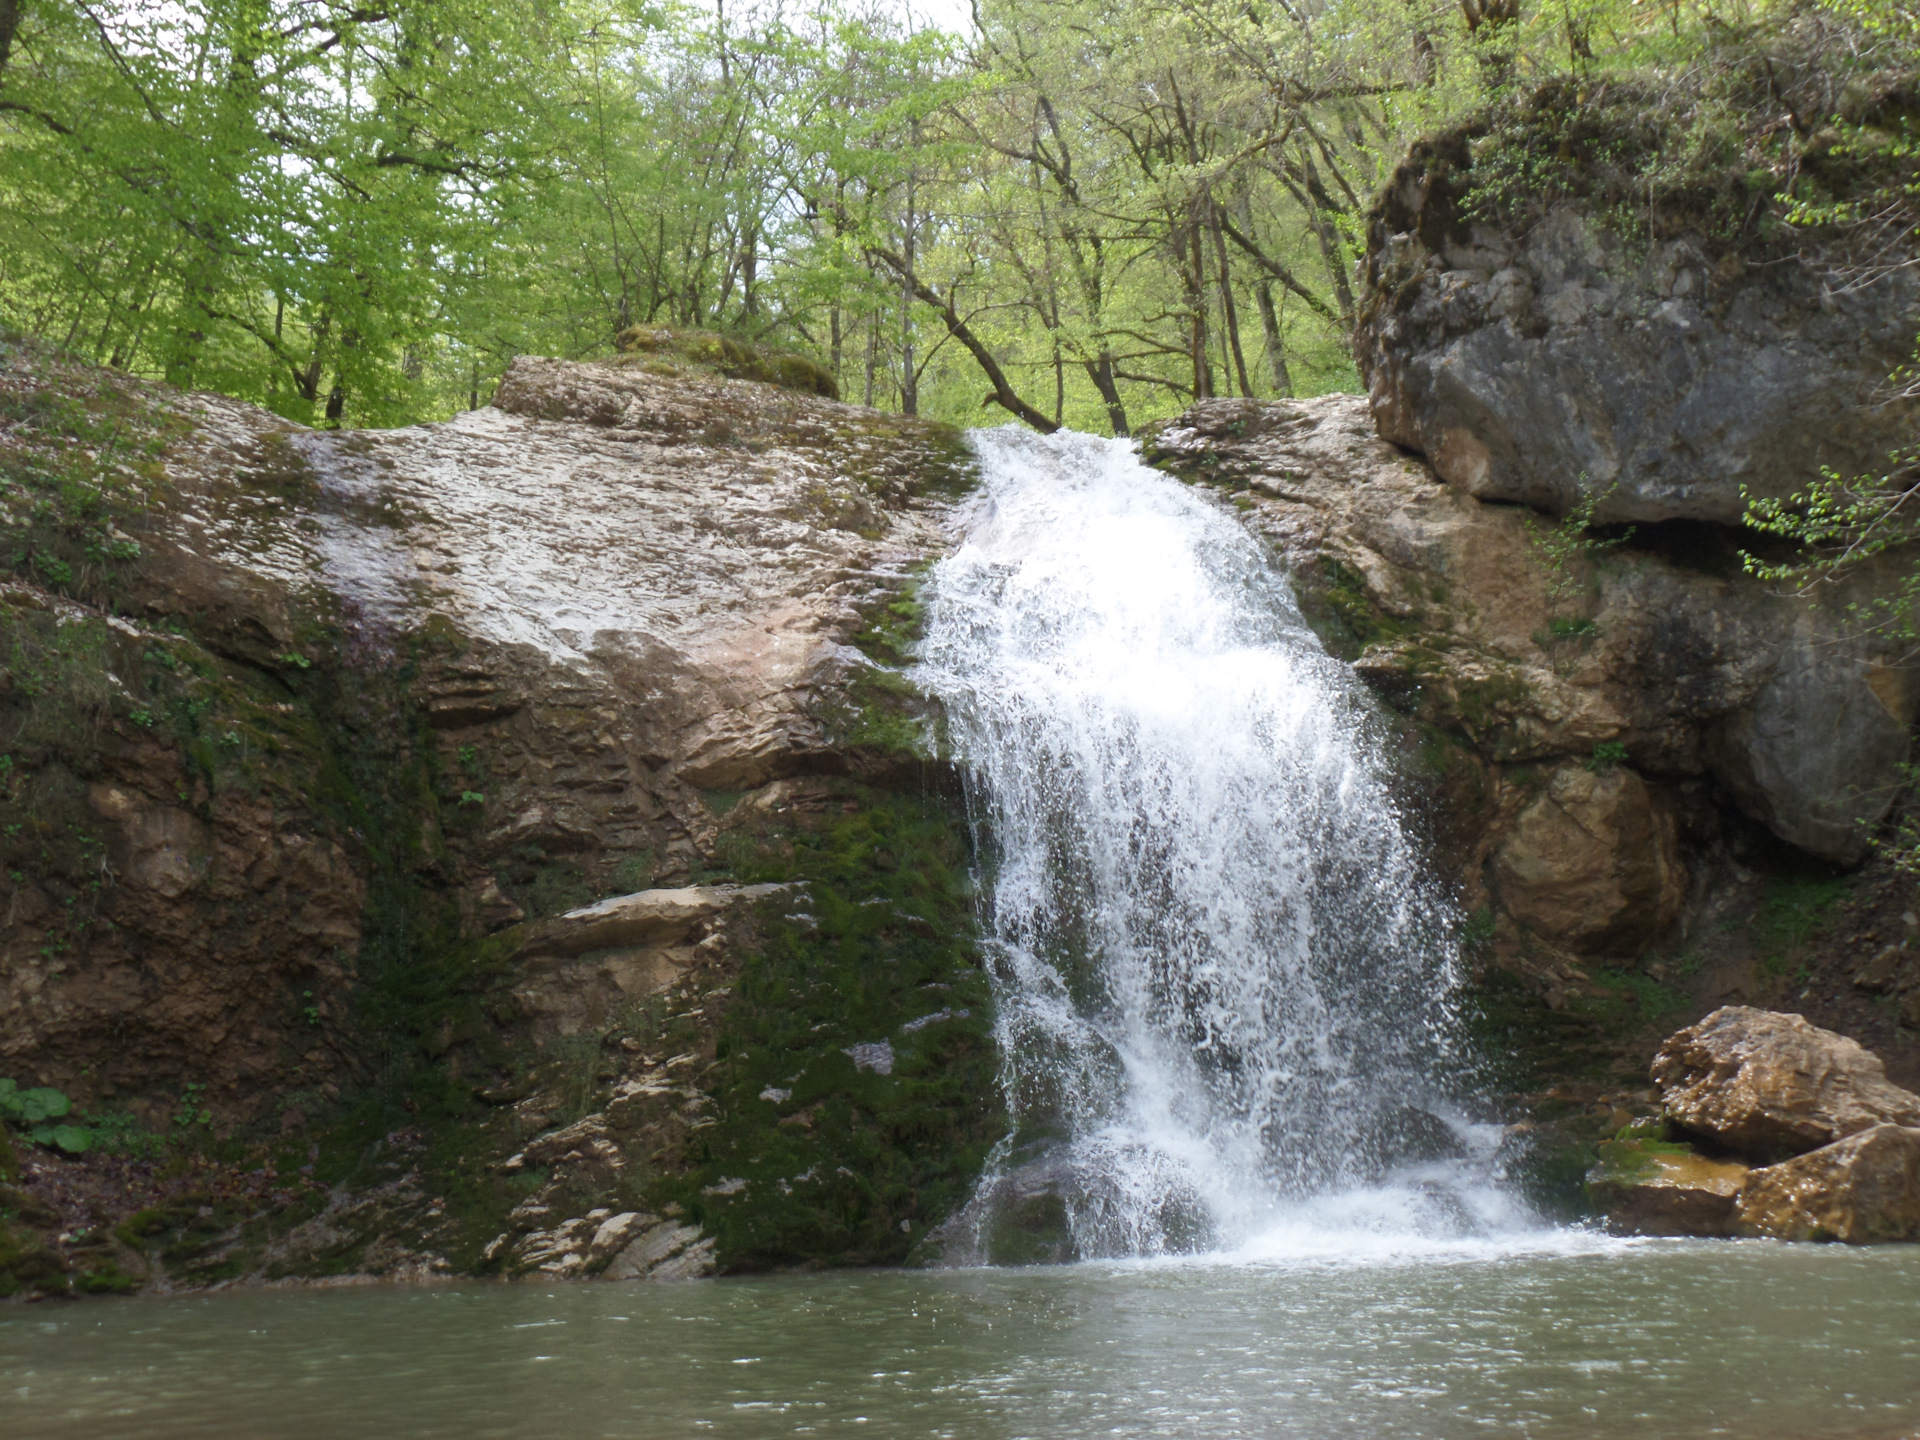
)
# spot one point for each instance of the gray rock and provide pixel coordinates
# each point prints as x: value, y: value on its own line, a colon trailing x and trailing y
x: 1542, y: 367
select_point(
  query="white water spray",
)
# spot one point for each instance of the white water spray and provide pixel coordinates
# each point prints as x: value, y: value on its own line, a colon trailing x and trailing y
x: 1222, y: 979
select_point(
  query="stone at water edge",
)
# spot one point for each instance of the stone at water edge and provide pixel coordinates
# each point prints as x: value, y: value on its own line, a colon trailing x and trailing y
x: 1649, y: 1188
x: 1770, y: 1086
x: 1863, y: 1190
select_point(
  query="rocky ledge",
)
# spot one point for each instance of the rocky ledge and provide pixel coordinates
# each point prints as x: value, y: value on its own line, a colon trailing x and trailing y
x: 484, y: 847
x: 1770, y: 1127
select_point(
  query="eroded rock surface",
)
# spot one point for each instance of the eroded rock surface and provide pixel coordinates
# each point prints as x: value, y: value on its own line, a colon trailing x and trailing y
x: 1593, y: 861
x: 1459, y: 617
x: 1769, y: 1085
x: 1863, y: 1190
x: 529, y: 784
x: 1654, y: 1188
x: 1558, y: 360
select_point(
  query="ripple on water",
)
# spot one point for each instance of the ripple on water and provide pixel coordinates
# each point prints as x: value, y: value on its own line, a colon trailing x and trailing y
x: 1563, y: 1336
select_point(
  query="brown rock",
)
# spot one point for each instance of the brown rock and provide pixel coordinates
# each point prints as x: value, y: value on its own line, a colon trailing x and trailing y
x: 1651, y: 1189
x: 1447, y: 603
x: 1877, y: 975
x: 1593, y: 864
x: 1863, y: 1190
x: 1770, y: 1085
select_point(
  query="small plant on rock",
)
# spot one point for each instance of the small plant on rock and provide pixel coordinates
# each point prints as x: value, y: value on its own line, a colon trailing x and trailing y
x: 1559, y: 548
x: 41, y: 1113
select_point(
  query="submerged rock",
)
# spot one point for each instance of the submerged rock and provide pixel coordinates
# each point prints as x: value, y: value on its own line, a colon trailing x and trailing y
x: 1863, y: 1190
x: 1768, y: 1085
x: 1651, y: 1187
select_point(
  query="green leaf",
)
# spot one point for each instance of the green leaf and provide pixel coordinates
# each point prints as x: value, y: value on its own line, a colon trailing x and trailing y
x: 44, y: 1103
x: 74, y: 1139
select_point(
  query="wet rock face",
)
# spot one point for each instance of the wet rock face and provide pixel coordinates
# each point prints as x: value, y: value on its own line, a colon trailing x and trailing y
x: 1772, y: 1127
x: 1666, y: 654
x: 1770, y: 1086
x: 1863, y: 1190
x: 1549, y: 365
x: 1656, y: 1188
x: 384, y: 792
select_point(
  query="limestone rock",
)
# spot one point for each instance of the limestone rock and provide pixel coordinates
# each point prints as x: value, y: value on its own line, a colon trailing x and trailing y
x: 1863, y: 1190
x: 1593, y: 864
x: 1559, y: 361
x: 667, y: 1250
x: 1769, y: 1085
x: 1446, y: 606
x: 647, y: 915
x: 1648, y: 1188
x: 602, y: 595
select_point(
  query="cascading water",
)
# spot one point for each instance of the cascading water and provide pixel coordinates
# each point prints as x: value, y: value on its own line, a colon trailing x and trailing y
x: 1222, y: 981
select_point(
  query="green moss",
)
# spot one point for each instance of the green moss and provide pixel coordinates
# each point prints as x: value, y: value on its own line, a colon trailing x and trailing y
x: 658, y: 348
x: 1335, y: 602
x: 80, y: 465
x: 849, y: 1166
x: 1795, y: 908
x: 28, y: 1268
x: 1624, y: 1001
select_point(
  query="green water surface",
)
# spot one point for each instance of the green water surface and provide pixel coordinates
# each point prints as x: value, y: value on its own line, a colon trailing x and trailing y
x: 1589, y: 1339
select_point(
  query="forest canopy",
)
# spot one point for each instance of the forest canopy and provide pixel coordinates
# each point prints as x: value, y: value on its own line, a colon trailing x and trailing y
x: 1085, y: 212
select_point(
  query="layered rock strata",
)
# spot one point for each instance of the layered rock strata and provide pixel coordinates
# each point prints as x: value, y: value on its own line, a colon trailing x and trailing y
x: 322, y: 788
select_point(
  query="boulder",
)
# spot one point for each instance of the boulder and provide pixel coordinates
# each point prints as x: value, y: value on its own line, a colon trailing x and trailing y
x: 1647, y: 1187
x: 1593, y: 864
x: 1770, y: 1086
x: 1863, y: 1190
x: 1546, y: 356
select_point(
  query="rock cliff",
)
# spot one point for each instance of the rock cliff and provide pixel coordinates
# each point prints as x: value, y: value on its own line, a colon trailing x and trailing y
x: 1558, y: 304
x: 479, y: 833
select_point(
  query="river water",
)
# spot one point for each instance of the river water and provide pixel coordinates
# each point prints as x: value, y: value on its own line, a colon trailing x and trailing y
x: 1223, y: 990
x: 1576, y: 1339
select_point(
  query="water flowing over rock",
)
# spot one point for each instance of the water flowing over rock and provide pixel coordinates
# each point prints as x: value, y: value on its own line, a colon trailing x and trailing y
x: 1768, y: 1085
x: 1217, y: 962
x: 1449, y: 608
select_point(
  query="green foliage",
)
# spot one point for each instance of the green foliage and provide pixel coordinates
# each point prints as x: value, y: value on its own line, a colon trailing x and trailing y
x: 36, y: 1112
x: 1607, y: 754
x: 1565, y: 550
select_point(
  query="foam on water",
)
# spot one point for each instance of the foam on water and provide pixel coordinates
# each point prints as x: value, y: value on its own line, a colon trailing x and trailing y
x: 1223, y: 980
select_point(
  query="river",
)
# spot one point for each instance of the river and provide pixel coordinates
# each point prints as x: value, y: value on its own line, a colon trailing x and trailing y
x: 1577, y: 1338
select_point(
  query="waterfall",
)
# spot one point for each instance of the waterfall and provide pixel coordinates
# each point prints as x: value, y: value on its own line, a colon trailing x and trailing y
x: 1223, y: 981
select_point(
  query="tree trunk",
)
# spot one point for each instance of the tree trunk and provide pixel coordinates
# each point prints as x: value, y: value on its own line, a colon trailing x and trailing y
x: 10, y: 13
x: 1229, y: 310
x: 1101, y: 373
x: 1276, y: 352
